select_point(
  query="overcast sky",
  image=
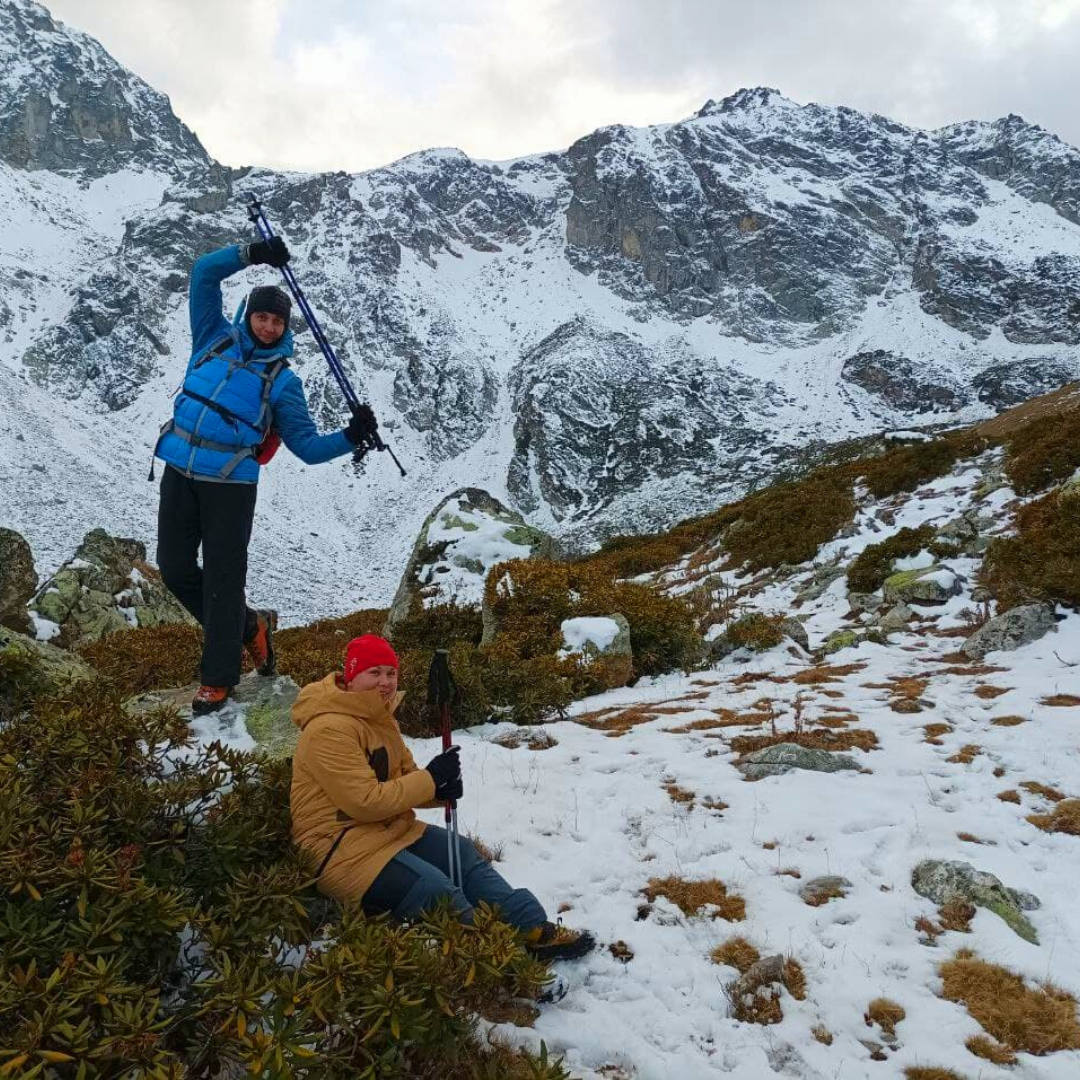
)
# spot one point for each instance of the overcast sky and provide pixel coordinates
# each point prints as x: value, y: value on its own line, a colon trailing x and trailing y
x: 334, y: 84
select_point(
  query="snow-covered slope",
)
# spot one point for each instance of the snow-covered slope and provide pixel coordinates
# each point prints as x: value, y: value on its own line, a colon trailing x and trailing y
x: 608, y: 338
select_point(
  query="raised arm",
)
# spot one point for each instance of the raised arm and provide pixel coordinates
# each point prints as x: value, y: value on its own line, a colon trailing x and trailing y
x: 208, y: 322
x: 352, y: 785
x: 293, y: 423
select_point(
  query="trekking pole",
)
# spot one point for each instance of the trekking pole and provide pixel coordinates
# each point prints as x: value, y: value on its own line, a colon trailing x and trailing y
x: 372, y: 440
x: 441, y: 692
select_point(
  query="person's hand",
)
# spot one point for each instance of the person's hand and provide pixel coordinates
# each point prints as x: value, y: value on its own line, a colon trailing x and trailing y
x: 446, y: 772
x: 362, y: 427
x: 272, y: 252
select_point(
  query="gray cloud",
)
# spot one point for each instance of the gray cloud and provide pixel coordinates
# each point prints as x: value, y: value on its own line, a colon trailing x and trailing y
x: 325, y: 84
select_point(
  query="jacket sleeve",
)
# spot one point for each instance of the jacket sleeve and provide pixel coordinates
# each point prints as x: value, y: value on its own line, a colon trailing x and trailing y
x: 408, y: 767
x: 293, y: 423
x: 351, y: 784
x: 208, y: 323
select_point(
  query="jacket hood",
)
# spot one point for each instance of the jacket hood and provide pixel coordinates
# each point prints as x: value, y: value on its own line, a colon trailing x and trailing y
x: 327, y: 696
x: 250, y: 347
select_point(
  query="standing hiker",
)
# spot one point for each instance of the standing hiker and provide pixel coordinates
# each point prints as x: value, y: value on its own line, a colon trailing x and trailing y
x: 354, y: 789
x: 238, y: 400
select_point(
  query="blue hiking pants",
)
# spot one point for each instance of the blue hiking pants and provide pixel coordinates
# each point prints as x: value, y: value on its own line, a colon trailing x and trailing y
x: 416, y: 879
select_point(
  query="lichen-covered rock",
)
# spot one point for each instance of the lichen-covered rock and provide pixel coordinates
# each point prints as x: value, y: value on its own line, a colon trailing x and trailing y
x: 460, y: 541
x: 820, y: 890
x: 794, y: 629
x: 940, y: 880
x: 57, y: 665
x: 1017, y: 626
x: 783, y: 757
x: 896, y: 618
x: 820, y: 580
x: 840, y: 639
x: 107, y: 586
x: 602, y: 645
x: 18, y: 580
x: 927, y: 586
x: 863, y: 603
x: 968, y: 533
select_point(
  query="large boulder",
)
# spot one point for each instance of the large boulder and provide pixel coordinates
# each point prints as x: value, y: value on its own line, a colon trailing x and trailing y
x: 969, y: 533
x: 602, y: 646
x: 107, y: 586
x: 57, y: 666
x: 820, y: 580
x: 18, y: 581
x: 783, y: 757
x: 927, y: 586
x: 941, y: 880
x: 1017, y: 626
x: 460, y: 541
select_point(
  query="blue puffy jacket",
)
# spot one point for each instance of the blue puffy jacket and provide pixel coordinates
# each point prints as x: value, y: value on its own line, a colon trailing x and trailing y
x: 251, y: 388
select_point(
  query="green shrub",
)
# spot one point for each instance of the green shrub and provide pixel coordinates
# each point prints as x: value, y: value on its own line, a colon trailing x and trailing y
x: 1042, y: 562
x: 875, y: 563
x: 157, y: 921
x: 907, y: 467
x: 1044, y: 452
x: 308, y: 653
x: 756, y: 631
x: 787, y: 523
x: 150, y: 658
x: 435, y: 627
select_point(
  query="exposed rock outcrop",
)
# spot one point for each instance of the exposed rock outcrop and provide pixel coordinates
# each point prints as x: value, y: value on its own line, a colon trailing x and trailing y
x: 18, y: 580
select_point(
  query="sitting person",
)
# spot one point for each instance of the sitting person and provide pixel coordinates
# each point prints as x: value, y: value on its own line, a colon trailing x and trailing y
x: 354, y: 789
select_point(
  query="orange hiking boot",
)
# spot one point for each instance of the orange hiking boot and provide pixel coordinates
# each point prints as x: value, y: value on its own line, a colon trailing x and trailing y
x: 261, y: 647
x: 553, y: 941
x: 209, y: 699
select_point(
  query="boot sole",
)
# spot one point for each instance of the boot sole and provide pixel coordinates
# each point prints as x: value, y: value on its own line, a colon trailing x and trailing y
x: 204, y: 708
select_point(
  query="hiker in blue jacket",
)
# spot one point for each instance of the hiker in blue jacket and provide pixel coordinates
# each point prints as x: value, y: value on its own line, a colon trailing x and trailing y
x: 238, y: 401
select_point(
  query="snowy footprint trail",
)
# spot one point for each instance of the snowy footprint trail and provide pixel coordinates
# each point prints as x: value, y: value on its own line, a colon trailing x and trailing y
x: 588, y: 822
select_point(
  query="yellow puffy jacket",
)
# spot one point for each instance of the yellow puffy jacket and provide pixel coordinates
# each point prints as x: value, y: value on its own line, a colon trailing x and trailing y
x: 353, y: 776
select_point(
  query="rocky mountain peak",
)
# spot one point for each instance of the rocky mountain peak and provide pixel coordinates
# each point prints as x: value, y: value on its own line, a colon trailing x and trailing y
x: 749, y: 97
x: 66, y: 105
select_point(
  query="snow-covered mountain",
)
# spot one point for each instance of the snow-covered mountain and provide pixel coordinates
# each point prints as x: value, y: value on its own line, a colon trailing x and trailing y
x: 608, y: 338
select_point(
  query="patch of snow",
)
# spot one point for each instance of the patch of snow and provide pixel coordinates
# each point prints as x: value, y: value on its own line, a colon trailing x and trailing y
x: 597, y: 631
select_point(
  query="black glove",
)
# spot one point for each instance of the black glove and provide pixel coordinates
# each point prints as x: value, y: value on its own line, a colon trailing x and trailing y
x: 450, y: 791
x: 272, y: 251
x: 446, y: 772
x: 362, y: 427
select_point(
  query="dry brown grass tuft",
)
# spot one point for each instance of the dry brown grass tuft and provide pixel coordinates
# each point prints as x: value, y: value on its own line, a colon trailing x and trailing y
x: 928, y: 930
x: 1009, y: 721
x: 1063, y: 700
x: 971, y: 838
x: 973, y: 669
x: 691, y: 896
x: 616, y: 722
x: 965, y: 755
x: 985, y: 1047
x: 680, y: 795
x: 956, y: 914
x: 760, y: 1003
x: 820, y: 897
x: 532, y: 740
x: 822, y: 1034
x: 1036, y: 788
x: 621, y: 951
x: 491, y: 853
x: 886, y: 1013
x: 1011, y: 795
x: 861, y: 739
x: 736, y: 952
x: 725, y: 718
x: 929, y: 1072
x: 825, y: 673
x: 1033, y: 1019
x: 934, y: 733
x: 988, y: 692
x: 1064, y: 818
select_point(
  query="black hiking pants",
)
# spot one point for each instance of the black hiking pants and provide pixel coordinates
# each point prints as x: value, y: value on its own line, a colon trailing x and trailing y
x: 219, y: 517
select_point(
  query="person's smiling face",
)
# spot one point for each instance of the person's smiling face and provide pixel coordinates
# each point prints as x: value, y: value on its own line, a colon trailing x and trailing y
x: 267, y: 327
x: 383, y: 678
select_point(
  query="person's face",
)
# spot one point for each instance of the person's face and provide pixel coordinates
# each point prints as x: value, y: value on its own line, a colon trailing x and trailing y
x: 267, y: 326
x: 383, y: 678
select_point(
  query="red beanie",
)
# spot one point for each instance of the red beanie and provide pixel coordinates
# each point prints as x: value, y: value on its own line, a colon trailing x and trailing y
x: 366, y: 652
